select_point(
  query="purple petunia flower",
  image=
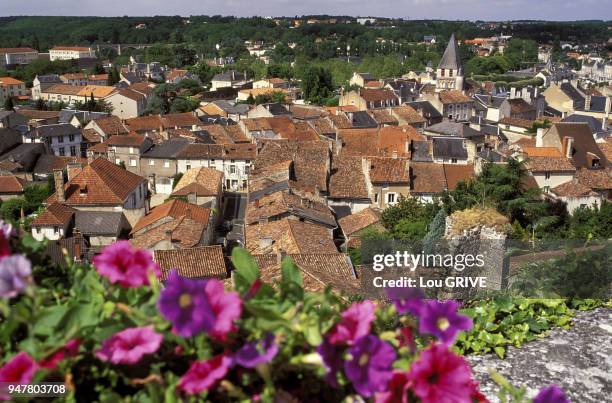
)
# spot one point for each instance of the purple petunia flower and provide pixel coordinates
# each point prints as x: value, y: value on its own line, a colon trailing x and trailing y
x: 130, y: 345
x: 441, y: 319
x: 369, y: 368
x: 257, y: 352
x: 406, y: 299
x: 332, y: 358
x: 184, y: 303
x: 551, y: 394
x: 15, y: 273
x: 356, y: 322
x: 122, y: 264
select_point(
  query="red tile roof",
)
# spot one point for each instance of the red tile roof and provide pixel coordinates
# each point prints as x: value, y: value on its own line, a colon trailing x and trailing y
x: 356, y: 222
x: 175, y: 209
x: 100, y: 183
x: 454, y: 97
x: 55, y: 214
x: 11, y: 184
x: 202, y: 262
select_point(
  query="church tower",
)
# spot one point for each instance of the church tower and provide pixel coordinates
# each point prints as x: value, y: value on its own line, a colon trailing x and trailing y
x: 450, y: 70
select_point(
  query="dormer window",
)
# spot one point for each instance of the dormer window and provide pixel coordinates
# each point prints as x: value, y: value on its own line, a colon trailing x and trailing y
x: 595, y: 163
x: 83, y: 191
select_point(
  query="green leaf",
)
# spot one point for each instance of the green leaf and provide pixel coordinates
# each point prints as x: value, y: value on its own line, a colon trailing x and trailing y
x: 49, y: 320
x: 246, y: 269
x: 290, y: 272
x: 500, y: 351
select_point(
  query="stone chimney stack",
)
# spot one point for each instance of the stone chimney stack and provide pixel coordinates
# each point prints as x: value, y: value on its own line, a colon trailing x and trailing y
x: 58, y: 176
x: 587, y: 103
x: 540, y: 137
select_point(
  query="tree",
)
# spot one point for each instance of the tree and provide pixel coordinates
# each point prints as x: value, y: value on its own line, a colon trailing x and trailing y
x: 113, y: 76
x: 409, y: 218
x: 316, y: 84
x: 8, y: 104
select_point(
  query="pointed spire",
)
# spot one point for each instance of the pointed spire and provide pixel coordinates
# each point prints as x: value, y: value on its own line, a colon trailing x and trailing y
x: 450, y: 58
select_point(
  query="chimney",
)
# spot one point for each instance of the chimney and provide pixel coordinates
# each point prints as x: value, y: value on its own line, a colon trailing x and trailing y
x: 265, y: 242
x: 512, y: 92
x: 280, y: 254
x: 168, y: 235
x: 587, y: 103
x: 394, y: 154
x: 74, y: 168
x: 192, y: 198
x: 608, y: 107
x: 567, y: 146
x: 58, y: 175
x: 540, y: 137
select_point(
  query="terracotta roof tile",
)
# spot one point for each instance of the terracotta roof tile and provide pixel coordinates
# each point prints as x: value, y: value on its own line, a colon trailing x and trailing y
x: 201, y: 181
x: 377, y: 95
x: 175, y: 209
x: 279, y: 204
x: 455, y: 173
x: 552, y: 164
x: 347, y: 178
x: 595, y: 178
x: 356, y: 222
x: 186, y: 119
x: 389, y: 170
x: 55, y: 214
x: 203, y: 262
x: 573, y: 188
x: 454, y: 97
x: 427, y: 177
x: 542, y: 152
x: 100, y: 183
x: 144, y: 123
x: 126, y: 140
x: 290, y: 236
x: 408, y: 114
x: 11, y: 184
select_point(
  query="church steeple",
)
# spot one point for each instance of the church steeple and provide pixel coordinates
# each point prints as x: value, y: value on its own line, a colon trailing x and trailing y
x: 450, y: 68
x: 451, y: 59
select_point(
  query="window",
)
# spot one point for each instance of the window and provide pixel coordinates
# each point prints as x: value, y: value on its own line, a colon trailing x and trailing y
x: 166, y: 164
x: 375, y: 197
x: 62, y: 152
x: 117, y: 161
x: 152, y: 163
x: 60, y: 139
x: 71, y: 138
x: 546, y: 189
x: 227, y: 183
x: 132, y: 162
x: 450, y: 73
x: 72, y: 151
x: 547, y: 175
x: 188, y: 166
x: 234, y: 184
x: 131, y: 150
x: 390, y: 198
x: 56, y: 230
x: 441, y: 72
x: 232, y: 169
x: 454, y: 160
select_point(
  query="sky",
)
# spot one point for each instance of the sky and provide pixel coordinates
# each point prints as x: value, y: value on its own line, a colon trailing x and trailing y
x: 556, y: 10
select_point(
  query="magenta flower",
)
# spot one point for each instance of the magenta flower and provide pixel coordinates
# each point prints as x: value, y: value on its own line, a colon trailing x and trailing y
x: 125, y: 265
x: 130, y: 345
x: 15, y: 273
x: 19, y: 369
x: 440, y: 318
x: 369, y: 368
x: 551, y: 394
x: 226, y: 306
x: 440, y: 375
x: 397, y: 389
x: 406, y: 299
x: 203, y: 375
x: 258, y: 352
x: 70, y: 349
x: 355, y: 323
x: 184, y: 303
x: 6, y: 232
x: 332, y: 358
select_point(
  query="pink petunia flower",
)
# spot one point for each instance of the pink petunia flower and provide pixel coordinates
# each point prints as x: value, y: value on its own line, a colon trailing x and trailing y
x: 355, y: 323
x: 130, y: 345
x: 203, y: 375
x: 19, y: 369
x: 70, y: 349
x: 439, y: 375
x: 6, y: 232
x: 226, y: 306
x: 124, y: 265
x: 397, y: 389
